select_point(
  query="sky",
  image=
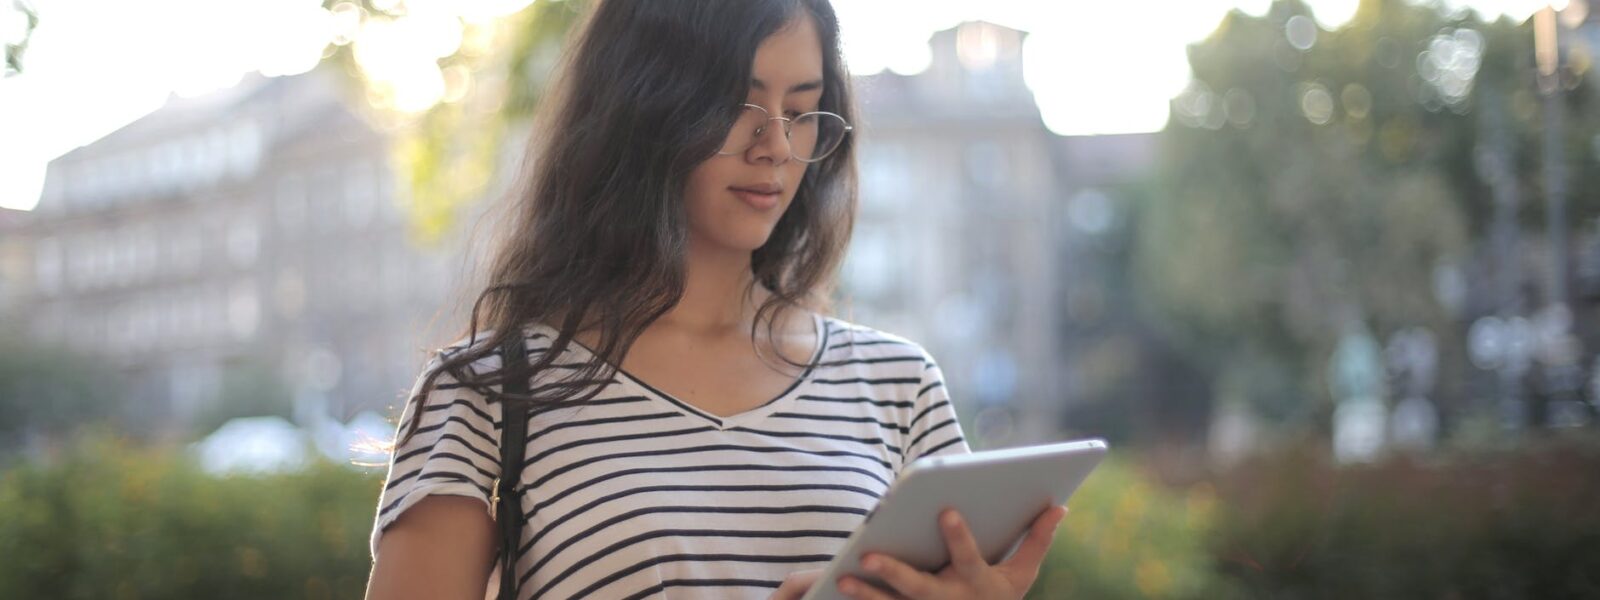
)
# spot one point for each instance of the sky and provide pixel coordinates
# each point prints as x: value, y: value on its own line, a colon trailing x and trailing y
x: 93, y: 66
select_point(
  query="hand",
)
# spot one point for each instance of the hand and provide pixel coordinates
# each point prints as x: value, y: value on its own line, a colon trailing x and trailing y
x: 796, y: 585
x: 968, y: 575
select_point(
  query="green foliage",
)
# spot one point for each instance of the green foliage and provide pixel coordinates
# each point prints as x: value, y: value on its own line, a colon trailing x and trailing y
x: 247, y: 391
x: 1125, y: 537
x: 1308, y: 189
x: 1506, y: 523
x: 452, y: 154
x: 14, y: 51
x: 47, y: 391
x: 112, y: 520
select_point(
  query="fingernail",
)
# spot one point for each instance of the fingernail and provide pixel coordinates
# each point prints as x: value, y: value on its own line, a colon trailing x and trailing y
x: 951, y: 519
x: 848, y: 587
x: 871, y: 563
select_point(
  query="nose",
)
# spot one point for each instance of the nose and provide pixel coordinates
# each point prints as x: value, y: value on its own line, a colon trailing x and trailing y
x: 772, y: 144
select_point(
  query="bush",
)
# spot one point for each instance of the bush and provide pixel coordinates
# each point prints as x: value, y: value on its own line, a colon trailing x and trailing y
x: 1125, y: 537
x: 1507, y: 523
x: 111, y: 520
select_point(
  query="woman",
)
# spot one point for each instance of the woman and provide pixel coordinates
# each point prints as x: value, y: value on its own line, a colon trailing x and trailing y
x: 687, y: 204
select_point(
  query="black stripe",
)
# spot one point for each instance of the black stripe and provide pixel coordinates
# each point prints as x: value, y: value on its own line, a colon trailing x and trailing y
x: 947, y: 443
x: 650, y: 488
x: 860, y: 361
x: 924, y: 434
x: 442, y: 406
x: 624, y: 419
x: 694, y: 449
x: 877, y: 441
x: 697, y: 469
x: 446, y: 455
x: 770, y: 510
x: 441, y: 475
x: 927, y: 410
x: 456, y: 385
x: 870, y: 380
x: 534, y: 414
x: 448, y: 436
x: 616, y: 438
x: 894, y: 426
x: 463, y: 402
x: 650, y: 535
x: 859, y: 399
x: 930, y: 386
x: 804, y: 558
x: 457, y: 419
x: 666, y: 583
x: 871, y: 343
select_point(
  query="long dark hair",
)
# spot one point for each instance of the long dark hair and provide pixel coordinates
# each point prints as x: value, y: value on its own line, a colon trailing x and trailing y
x: 596, y: 231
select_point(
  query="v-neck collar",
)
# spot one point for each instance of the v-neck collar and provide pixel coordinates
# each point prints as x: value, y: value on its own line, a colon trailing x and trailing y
x: 784, y: 398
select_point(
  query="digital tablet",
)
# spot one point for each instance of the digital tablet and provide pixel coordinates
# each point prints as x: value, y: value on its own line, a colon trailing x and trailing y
x: 998, y: 492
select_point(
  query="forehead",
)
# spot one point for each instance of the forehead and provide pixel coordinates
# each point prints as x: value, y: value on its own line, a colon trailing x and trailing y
x: 791, y: 56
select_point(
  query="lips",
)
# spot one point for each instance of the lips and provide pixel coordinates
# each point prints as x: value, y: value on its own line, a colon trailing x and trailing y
x: 760, y: 188
x: 760, y: 197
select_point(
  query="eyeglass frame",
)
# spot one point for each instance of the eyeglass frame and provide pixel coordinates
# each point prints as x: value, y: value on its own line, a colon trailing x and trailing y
x: 788, y: 126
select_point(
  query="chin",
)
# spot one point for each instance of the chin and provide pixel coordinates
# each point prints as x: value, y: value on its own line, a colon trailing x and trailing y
x: 746, y: 238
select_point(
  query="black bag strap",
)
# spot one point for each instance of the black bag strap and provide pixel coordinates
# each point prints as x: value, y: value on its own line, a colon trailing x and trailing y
x: 513, y: 440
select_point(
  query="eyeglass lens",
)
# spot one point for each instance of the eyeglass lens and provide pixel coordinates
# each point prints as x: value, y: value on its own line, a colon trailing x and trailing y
x: 811, y: 136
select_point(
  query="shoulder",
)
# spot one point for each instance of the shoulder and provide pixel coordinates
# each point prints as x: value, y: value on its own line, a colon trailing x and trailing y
x: 847, y: 339
x: 535, y: 338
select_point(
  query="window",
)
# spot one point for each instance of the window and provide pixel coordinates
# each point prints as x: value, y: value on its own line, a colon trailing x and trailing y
x: 244, y: 241
x: 986, y: 164
x: 291, y: 203
x: 47, y: 266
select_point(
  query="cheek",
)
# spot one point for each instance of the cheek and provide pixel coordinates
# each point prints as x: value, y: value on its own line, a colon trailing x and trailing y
x: 701, y: 188
x: 793, y: 174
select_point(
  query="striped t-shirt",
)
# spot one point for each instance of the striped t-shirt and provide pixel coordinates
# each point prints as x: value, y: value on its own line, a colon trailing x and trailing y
x: 636, y: 494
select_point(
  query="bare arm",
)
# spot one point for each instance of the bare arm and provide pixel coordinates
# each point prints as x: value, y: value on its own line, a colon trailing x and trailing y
x: 443, y: 547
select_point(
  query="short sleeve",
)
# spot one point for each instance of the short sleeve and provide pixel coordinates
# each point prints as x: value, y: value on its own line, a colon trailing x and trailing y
x: 934, y: 429
x: 453, y: 452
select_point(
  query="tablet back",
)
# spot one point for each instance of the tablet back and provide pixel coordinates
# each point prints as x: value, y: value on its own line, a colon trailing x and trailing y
x: 998, y: 492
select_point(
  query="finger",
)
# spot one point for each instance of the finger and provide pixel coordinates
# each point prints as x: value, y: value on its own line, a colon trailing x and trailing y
x: 861, y: 590
x: 904, y: 578
x: 964, y: 553
x: 1030, y: 554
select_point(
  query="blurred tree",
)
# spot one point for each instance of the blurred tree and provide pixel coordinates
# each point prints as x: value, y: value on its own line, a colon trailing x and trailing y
x: 46, y: 393
x: 247, y: 391
x: 451, y: 153
x: 1313, y: 178
x: 24, y: 19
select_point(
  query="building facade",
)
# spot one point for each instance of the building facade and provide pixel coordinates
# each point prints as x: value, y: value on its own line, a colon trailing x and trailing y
x: 259, y: 229
x: 255, y: 229
x: 964, y: 242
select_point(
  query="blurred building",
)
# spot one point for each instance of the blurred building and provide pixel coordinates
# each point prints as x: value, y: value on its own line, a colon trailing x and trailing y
x: 258, y: 227
x: 964, y: 241
x: 14, y: 258
x: 254, y: 228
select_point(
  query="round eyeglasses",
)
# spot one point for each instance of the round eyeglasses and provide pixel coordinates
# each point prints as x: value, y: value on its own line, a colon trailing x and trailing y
x: 812, y: 136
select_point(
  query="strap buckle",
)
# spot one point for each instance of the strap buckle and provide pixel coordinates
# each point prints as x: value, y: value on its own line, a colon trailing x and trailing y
x: 494, y: 498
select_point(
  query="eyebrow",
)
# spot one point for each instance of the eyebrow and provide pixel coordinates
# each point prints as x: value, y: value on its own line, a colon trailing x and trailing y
x: 815, y: 84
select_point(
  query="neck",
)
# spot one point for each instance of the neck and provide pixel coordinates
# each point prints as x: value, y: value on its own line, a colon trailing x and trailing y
x: 719, y: 294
